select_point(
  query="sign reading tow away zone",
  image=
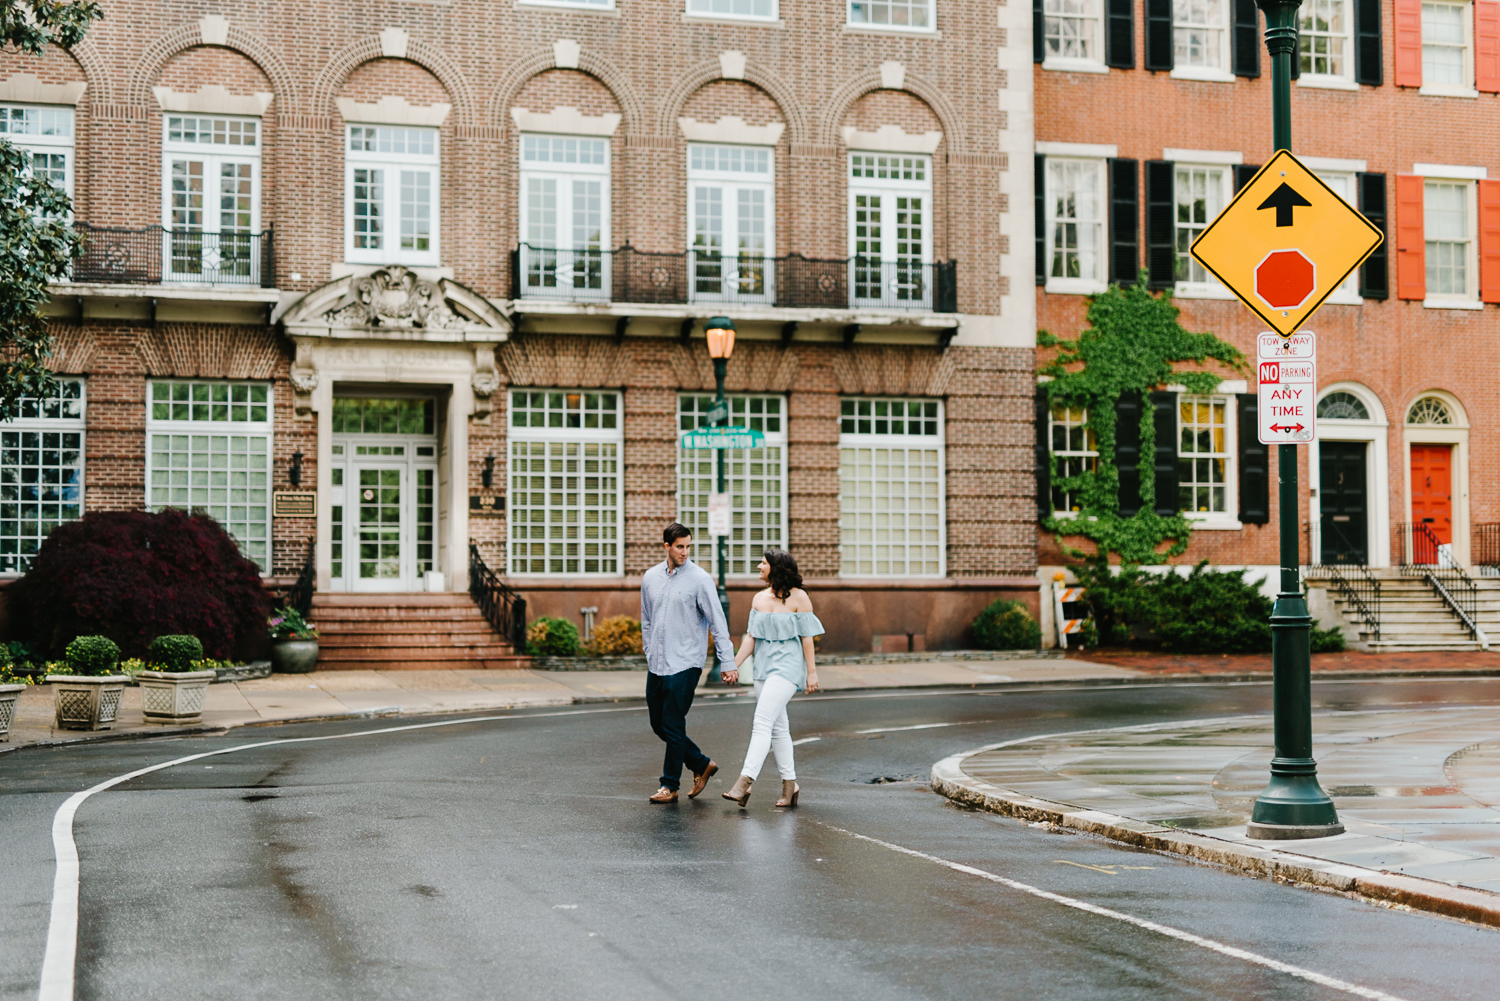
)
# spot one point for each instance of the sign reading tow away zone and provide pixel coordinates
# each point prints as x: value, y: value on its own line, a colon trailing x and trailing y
x: 1286, y: 369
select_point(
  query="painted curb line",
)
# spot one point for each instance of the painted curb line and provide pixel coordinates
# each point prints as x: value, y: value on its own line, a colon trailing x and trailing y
x: 1478, y: 906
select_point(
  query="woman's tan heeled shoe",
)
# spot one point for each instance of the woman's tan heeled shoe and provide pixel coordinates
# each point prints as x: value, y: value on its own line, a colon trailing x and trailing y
x: 740, y: 791
x: 789, y: 791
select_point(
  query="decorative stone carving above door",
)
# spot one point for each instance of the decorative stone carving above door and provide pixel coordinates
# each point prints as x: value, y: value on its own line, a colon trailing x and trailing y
x: 396, y: 303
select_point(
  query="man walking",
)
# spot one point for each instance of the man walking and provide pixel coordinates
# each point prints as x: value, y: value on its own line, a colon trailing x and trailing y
x: 678, y: 605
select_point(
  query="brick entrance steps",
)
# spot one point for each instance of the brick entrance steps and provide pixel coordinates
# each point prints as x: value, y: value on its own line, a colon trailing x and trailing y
x: 407, y: 632
x: 1413, y: 617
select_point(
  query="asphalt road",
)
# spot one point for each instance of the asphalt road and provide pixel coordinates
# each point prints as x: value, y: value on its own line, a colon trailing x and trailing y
x: 518, y: 858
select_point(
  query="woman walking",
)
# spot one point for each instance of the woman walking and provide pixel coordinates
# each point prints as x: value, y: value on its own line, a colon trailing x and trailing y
x: 780, y: 635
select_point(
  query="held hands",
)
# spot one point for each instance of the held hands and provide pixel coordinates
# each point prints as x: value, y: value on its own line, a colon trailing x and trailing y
x: 730, y: 677
x: 812, y: 682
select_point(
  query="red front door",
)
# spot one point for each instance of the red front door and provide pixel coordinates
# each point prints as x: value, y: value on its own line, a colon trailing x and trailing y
x: 1432, y: 489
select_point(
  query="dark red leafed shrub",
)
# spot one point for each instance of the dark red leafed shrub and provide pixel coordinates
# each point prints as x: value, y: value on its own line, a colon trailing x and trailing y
x: 134, y: 576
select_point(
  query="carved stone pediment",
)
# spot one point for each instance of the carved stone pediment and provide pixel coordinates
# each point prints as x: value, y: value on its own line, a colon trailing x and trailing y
x: 396, y: 302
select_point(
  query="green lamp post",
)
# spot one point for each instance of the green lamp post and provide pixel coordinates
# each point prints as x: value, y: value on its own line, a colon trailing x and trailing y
x: 720, y: 333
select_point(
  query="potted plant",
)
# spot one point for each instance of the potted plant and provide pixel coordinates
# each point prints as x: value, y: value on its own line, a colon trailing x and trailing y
x: 294, y: 642
x: 172, y: 690
x: 88, y: 697
x: 11, y: 687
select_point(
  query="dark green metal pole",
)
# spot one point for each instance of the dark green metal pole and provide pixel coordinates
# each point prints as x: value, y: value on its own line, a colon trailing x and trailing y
x: 1294, y: 805
x: 720, y: 365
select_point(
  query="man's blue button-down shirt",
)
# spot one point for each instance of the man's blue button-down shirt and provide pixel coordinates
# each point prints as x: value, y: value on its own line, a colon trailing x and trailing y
x: 678, y: 609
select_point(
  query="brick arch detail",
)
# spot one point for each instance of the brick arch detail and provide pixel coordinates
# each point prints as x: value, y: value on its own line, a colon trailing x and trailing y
x: 852, y: 90
x: 86, y: 54
x: 710, y: 70
x: 368, y: 49
x: 259, y: 51
x: 540, y: 61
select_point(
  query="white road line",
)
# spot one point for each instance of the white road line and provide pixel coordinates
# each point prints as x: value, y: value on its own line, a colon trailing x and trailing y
x: 1161, y: 929
x: 893, y: 729
x: 805, y: 740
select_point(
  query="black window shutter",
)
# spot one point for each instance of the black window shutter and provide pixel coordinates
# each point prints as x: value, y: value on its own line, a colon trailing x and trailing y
x: 1255, y: 468
x: 1374, y: 274
x: 1243, y: 172
x: 1165, y: 405
x: 1038, y: 32
x: 1043, y: 455
x: 1124, y: 222
x: 1128, y: 452
x: 1119, y: 35
x: 1161, y: 225
x: 1246, y: 57
x: 1159, y: 48
x: 1367, y: 42
x: 1041, y: 219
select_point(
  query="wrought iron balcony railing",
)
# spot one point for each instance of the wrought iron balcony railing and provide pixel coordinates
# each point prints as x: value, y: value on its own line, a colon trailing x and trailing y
x: 154, y: 255
x: 630, y: 275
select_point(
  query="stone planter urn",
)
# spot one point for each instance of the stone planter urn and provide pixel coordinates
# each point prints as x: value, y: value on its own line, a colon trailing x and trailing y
x: 8, y: 696
x: 292, y: 656
x: 87, y: 703
x: 173, y: 696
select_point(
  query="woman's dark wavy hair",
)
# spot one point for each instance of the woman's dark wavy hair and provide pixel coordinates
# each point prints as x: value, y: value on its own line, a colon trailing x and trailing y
x: 784, y: 575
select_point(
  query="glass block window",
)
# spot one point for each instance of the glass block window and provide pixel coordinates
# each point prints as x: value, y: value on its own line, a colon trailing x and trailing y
x: 566, y: 510
x: 755, y: 478
x: 211, y: 402
x: 1203, y: 454
x: 1074, y: 450
x: 891, y: 13
x: 381, y: 416
x: 891, y: 507
x: 213, y: 131
x: 41, y: 471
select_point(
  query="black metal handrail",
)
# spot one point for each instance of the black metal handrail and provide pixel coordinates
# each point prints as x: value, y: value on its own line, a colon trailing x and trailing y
x: 155, y: 255
x: 641, y: 276
x: 1416, y: 545
x: 1361, y: 589
x: 504, y: 609
x: 1487, y: 544
x: 1344, y: 552
x: 1419, y: 554
x: 299, y: 596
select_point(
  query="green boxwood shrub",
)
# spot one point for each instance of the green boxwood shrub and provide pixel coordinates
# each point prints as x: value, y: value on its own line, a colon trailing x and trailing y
x: 552, y: 637
x: 1203, y: 611
x: 92, y: 655
x: 1327, y: 640
x: 1006, y: 625
x: 174, y: 653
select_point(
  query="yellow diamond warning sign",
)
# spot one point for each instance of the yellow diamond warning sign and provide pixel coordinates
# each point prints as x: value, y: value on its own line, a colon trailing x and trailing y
x: 1285, y: 243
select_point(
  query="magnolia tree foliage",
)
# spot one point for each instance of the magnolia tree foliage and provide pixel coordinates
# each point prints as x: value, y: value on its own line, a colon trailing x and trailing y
x: 36, y: 243
x: 1133, y: 344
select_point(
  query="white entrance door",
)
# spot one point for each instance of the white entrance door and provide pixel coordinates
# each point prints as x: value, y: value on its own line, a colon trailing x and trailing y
x: 383, y: 558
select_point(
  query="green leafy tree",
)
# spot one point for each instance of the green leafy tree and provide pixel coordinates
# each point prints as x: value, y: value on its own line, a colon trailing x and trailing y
x: 36, y: 242
x: 1133, y: 344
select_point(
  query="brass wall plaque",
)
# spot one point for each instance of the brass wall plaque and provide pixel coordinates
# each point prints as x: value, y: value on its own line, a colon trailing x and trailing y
x: 294, y: 504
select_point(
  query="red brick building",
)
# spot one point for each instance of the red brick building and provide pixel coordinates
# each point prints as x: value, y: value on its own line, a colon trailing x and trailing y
x: 383, y: 284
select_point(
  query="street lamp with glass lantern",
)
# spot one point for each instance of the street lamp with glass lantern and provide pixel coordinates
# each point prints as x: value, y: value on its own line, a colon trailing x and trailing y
x: 720, y: 333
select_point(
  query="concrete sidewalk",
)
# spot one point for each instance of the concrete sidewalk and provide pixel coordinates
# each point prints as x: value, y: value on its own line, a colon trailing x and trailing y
x: 1418, y: 791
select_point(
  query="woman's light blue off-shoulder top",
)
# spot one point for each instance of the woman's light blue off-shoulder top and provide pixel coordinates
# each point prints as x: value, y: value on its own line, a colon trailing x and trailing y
x: 778, y: 644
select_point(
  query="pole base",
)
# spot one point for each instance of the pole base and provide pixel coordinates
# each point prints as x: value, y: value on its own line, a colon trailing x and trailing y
x: 1290, y: 832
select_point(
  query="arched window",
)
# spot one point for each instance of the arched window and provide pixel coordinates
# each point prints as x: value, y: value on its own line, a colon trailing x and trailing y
x: 1429, y: 410
x: 1341, y: 406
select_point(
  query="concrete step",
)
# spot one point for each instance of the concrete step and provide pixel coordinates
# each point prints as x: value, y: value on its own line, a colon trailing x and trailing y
x: 395, y: 655
x: 407, y: 631
x: 484, y: 664
x: 434, y: 641
x: 393, y: 627
x: 402, y: 599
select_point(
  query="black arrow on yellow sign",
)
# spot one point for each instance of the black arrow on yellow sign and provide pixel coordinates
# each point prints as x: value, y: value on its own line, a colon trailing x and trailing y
x: 1283, y: 200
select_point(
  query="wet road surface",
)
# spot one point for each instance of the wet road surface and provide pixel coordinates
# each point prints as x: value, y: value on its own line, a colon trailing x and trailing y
x: 518, y: 858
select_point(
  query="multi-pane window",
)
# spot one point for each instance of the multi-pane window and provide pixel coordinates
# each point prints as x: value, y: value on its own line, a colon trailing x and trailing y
x: 1342, y: 183
x: 892, y: 14
x: 731, y: 210
x: 41, y: 471
x: 1075, y: 219
x: 1072, y: 29
x: 1445, y: 44
x: 891, y: 520
x: 565, y: 216
x: 890, y: 229
x: 755, y: 477
x: 1323, y: 33
x: 46, y: 132
x: 1203, y: 454
x: 764, y: 10
x: 1450, y: 242
x: 1198, y: 33
x: 391, y: 188
x: 1074, y: 451
x: 566, y: 486
x: 1199, y: 195
x: 209, y: 451
x: 211, y: 197
x: 356, y: 415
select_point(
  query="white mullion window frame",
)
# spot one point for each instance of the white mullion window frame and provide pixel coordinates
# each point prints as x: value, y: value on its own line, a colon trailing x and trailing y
x: 875, y: 524
x: 1464, y: 20
x: 1469, y: 296
x: 1077, y: 238
x: 735, y: 10
x: 1344, y: 183
x: 595, y: 5
x: 883, y: 188
x: 725, y: 199
x: 199, y: 246
x: 24, y: 506
x: 1071, y: 441
x: 1073, y: 36
x: 1189, y: 219
x: 45, y: 131
x: 1211, y: 39
x: 893, y: 15
x: 758, y: 518
x: 423, y: 167
x: 563, y: 181
x: 1190, y: 432
x: 1325, y: 44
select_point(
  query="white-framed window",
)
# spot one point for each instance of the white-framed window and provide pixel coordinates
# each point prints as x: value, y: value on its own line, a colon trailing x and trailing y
x: 890, y: 229
x: 209, y: 451
x: 392, y: 195
x: 1076, y: 250
x: 46, y: 132
x: 731, y: 223
x: 1205, y: 448
x: 748, y: 10
x: 1325, y: 39
x: 1076, y: 452
x: 41, y: 471
x: 1448, y: 213
x: 1200, y: 35
x: 901, y: 15
x: 891, y: 488
x: 588, y: 4
x: 565, y: 216
x: 1344, y: 184
x: 211, y: 198
x: 1072, y: 31
x: 1200, y: 191
x: 1447, y: 45
x: 567, y: 510
x: 756, y: 479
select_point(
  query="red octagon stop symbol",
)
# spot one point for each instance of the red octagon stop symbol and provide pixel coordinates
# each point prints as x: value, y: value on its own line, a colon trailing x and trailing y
x: 1285, y: 279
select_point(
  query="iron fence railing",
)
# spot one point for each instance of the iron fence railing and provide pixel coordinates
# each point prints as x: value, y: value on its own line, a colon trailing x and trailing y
x: 1419, y: 553
x: 1486, y: 548
x: 300, y: 594
x: 1331, y: 544
x: 154, y: 255
x: 640, y: 276
x: 1416, y: 545
x: 1361, y: 589
x: 504, y: 609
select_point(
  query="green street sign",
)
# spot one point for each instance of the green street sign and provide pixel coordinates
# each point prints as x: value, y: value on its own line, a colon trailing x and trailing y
x: 719, y: 413
x: 722, y: 438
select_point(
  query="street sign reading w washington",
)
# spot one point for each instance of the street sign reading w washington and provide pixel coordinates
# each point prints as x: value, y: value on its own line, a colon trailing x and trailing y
x: 1285, y: 243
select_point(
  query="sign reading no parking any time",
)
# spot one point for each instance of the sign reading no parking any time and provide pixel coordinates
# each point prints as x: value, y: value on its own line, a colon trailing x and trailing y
x: 1286, y: 370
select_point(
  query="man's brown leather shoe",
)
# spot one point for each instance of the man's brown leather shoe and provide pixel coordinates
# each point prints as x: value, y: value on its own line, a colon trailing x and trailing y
x: 700, y: 779
x: 664, y: 795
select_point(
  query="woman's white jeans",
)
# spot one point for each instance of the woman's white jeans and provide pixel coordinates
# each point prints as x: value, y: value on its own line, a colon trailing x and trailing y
x: 770, y: 731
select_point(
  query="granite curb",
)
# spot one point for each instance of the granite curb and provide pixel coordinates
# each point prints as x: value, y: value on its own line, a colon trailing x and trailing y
x: 1478, y: 906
